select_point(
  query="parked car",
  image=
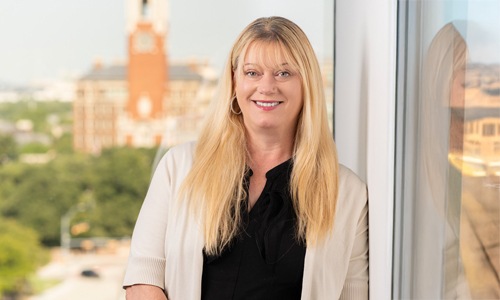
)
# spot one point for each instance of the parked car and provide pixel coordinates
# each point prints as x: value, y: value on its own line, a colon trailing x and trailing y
x: 89, y: 273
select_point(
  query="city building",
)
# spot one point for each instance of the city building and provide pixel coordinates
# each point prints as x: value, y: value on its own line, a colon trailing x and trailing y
x: 147, y: 102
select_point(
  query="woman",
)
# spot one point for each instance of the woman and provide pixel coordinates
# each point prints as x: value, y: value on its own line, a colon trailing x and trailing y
x: 258, y: 208
x: 439, y: 188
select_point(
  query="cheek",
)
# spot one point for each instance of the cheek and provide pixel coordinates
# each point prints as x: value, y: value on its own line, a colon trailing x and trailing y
x: 241, y: 92
x: 240, y: 87
x: 457, y: 94
x: 299, y: 98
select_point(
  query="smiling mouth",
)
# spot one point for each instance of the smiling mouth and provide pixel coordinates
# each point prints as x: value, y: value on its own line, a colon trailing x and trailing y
x: 267, y: 104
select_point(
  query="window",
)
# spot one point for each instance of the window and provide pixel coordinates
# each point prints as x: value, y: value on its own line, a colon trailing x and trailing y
x: 497, y: 147
x: 488, y: 129
x: 145, y: 9
x: 42, y: 197
x: 447, y: 222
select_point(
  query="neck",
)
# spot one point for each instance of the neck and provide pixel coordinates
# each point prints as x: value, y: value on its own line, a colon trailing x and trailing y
x: 267, y: 151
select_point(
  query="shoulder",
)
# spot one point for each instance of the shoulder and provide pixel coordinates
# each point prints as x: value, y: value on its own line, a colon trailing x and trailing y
x: 348, y: 178
x: 181, y: 152
x: 351, y: 188
x: 179, y: 156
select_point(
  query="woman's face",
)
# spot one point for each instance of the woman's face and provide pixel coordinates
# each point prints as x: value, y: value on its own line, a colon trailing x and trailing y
x: 269, y: 92
x: 457, y: 94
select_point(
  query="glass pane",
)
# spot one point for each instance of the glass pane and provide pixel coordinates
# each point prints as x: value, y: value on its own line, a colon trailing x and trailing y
x: 452, y: 116
x: 79, y: 135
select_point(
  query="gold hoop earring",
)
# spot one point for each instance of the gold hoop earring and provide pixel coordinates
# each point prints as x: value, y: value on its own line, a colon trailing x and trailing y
x: 232, y: 108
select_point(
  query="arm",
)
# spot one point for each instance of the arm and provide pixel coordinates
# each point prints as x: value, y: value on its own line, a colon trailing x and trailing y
x: 356, y: 284
x: 146, y: 264
x: 144, y: 292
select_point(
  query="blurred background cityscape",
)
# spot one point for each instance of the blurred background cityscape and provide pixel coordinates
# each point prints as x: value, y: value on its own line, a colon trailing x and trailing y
x: 92, y: 93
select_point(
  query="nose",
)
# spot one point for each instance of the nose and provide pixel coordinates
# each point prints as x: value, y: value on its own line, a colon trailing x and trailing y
x: 267, y: 85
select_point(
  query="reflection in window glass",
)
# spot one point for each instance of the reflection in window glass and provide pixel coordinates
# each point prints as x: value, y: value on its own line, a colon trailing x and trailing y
x: 488, y: 129
x: 454, y: 207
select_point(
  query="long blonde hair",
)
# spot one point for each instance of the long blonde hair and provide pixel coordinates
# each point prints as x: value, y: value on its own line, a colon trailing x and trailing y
x: 214, y: 186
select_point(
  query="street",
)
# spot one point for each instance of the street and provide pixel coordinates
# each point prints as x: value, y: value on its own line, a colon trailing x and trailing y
x: 480, y: 236
x: 109, y: 266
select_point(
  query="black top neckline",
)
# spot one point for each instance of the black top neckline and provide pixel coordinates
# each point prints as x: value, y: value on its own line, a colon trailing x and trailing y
x: 282, y: 168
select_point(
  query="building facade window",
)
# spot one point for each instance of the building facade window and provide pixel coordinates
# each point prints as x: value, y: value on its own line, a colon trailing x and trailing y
x: 496, y: 147
x: 145, y: 9
x: 488, y: 129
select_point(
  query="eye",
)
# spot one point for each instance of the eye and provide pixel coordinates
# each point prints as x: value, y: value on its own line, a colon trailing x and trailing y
x: 283, y: 74
x: 251, y: 73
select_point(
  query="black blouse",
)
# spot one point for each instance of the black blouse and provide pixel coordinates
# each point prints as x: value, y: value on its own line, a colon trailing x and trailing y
x: 265, y: 261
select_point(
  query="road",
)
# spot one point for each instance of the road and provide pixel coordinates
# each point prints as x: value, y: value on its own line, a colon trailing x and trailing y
x: 480, y: 236
x: 109, y: 266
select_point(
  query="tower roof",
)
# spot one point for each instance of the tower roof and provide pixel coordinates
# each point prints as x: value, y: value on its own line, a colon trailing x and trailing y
x: 112, y: 72
x: 118, y: 72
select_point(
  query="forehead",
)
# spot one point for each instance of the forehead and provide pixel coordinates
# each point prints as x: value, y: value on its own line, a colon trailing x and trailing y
x: 268, y: 54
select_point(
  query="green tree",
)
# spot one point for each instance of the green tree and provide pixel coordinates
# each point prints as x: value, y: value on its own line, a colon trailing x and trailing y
x: 34, y: 148
x: 64, y: 144
x: 8, y: 149
x: 119, y: 190
x: 38, y: 195
x: 20, y: 255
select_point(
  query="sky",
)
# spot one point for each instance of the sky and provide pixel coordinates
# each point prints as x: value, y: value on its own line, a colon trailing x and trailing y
x: 479, y: 23
x: 54, y: 39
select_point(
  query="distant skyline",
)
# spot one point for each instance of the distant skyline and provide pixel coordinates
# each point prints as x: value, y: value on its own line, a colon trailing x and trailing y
x: 53, y: 39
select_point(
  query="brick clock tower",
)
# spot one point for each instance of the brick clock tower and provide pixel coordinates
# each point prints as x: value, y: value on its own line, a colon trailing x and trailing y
x: 147, y: 74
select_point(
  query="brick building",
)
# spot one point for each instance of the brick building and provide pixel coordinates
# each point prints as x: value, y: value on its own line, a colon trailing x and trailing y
x: 147, y: 101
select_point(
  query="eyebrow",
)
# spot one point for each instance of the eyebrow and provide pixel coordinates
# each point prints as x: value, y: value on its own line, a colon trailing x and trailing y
x: 252, y: 64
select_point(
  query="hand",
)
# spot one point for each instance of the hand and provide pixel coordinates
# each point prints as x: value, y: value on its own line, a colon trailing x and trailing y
x: 144, y: 292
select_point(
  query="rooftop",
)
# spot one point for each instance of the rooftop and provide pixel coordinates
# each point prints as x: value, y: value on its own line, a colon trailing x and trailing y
x: 119, y: 73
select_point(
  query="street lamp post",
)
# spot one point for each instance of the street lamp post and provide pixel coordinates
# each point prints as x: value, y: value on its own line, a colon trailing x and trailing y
x: 65, y: 226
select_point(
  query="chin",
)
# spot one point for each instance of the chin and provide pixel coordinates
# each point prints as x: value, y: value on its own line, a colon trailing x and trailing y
x: 267, y: 124
x: 263, y: 125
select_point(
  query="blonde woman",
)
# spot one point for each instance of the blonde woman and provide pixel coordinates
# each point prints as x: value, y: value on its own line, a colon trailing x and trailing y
x: 439, y: 185
x: 258, y: 207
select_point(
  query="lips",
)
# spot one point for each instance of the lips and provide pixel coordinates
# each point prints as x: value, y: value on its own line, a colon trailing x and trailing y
x: 267, y: 104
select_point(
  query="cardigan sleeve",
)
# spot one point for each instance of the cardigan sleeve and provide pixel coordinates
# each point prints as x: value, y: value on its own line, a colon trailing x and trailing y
x: 146, y: 263
x: 356, y: 283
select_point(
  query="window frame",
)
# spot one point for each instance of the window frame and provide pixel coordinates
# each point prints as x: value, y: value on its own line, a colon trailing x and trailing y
x: 364, y: 89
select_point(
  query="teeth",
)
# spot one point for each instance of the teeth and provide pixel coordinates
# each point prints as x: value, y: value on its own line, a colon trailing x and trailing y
x: 267, y: 104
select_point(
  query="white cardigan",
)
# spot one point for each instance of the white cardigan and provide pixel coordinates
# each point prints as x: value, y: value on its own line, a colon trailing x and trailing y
x: 167, y: 243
